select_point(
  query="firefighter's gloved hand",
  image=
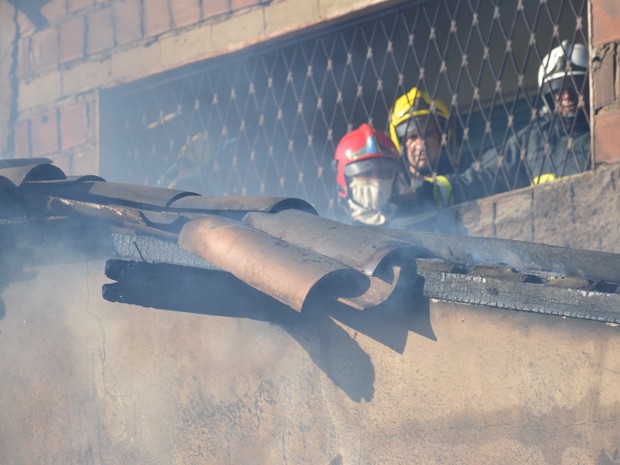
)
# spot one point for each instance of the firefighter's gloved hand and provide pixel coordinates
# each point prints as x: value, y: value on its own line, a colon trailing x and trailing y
x: 405, y: 199
x: 434, y: 190
x: 421, y: 191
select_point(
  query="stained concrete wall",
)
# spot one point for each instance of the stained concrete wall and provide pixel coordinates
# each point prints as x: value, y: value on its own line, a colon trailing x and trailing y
x: 581, y: 211
x: 88, y: 381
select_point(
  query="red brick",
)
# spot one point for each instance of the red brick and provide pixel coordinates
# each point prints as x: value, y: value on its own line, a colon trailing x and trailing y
x: 44, y: 133
x: 73, y: 125
x: 605, y: 21
x: 22, y: 138
x: 238, y: 4
x: 26, y: 26
x: 45, y: 49
x: 100, y: 30
x: 185, y: 12
x: 603, y: 80
x: 53, y: 10
x: 128, y: 19
x: 76, y: 5
x: 156, y: 17
x: 606, y: 126
x: 617, y: 69
x: 212, y: 8
x: 72, y: 39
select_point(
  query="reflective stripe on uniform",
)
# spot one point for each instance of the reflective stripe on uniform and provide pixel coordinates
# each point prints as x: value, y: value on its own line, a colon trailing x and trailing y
x: 442, y: 190
x: 547, y: 177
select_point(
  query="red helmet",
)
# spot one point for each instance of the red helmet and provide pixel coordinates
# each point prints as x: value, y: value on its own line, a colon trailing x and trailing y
x: 362, y: 150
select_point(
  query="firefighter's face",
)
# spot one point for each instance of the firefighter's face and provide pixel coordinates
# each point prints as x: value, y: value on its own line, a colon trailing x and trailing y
x: 422, y: 143
x: 568, y: 100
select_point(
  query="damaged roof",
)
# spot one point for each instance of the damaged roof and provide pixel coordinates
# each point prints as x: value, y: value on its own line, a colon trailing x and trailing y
x: 283, y: 248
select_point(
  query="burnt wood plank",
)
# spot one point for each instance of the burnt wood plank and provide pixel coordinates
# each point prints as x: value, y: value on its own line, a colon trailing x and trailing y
x: 521, y: 255
x: 521, y: 296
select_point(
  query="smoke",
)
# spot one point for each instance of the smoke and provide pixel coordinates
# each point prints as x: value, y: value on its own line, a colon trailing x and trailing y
x: 94, y: 381
x: 86, y: 380
x: 197, y: 367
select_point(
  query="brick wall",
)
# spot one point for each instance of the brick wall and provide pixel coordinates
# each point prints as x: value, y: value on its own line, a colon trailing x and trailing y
x: 7, y: 38
x: 68, y: 50
x: 64, y: 53
x: 605, y: 41
x: 88, y: 30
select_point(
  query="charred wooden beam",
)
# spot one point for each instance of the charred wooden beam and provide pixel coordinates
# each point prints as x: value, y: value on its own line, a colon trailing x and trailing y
x: 152, y: 250
x: 518, y: 291
x: 521, y: 255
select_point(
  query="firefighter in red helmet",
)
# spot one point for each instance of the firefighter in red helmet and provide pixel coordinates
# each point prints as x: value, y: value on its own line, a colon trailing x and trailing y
x: 368, y: 173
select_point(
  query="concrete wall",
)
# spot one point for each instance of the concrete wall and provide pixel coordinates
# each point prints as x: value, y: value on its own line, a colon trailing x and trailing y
x: 86, y: 381
x: 582, y: 212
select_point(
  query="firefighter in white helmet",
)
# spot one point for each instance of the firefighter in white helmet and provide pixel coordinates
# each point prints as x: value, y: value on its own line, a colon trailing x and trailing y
x: 554, y: 145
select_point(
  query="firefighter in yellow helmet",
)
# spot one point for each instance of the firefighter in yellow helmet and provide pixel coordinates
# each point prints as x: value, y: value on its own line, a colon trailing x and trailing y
x: 555, y: 144
x: 419, y: 128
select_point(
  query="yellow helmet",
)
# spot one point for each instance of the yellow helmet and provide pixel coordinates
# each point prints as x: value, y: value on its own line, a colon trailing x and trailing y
x: 415, y: 103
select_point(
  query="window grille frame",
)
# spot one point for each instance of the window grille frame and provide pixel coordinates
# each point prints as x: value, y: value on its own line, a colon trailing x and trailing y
x: 111, y: 153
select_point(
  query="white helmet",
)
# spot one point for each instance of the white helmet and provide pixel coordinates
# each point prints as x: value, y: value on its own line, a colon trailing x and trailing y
x: 563, y: 61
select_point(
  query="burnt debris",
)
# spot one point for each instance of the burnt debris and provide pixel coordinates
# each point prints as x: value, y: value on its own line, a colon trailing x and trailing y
x: 283, y: 249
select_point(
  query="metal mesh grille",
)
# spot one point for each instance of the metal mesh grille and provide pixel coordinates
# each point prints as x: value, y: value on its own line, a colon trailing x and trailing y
x: 266, y: 121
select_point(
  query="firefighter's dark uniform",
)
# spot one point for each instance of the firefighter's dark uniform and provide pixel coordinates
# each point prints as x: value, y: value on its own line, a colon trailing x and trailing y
x: 550, y: 148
